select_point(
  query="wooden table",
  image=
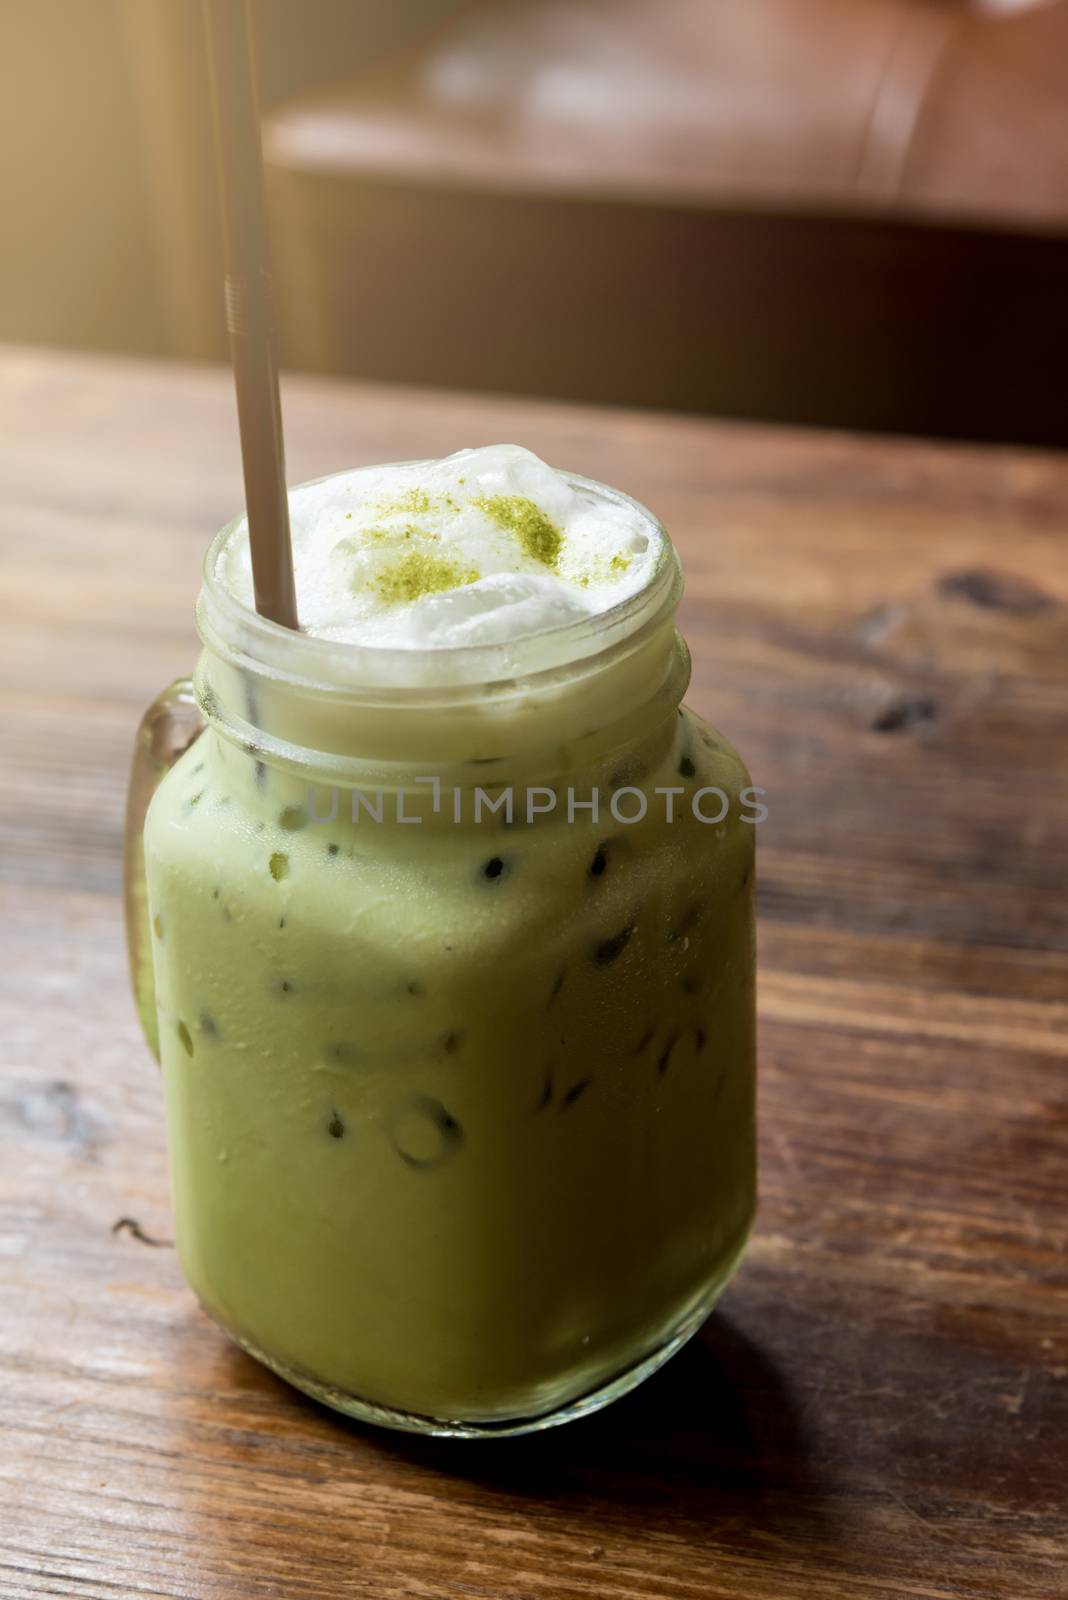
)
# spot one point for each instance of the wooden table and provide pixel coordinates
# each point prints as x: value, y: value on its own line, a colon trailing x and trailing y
x: 880, y: 1409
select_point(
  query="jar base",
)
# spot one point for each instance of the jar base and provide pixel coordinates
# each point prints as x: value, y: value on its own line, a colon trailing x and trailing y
x: 603, y: 1394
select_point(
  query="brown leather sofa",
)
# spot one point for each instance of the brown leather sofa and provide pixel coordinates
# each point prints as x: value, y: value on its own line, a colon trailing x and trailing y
x: 835, y: 211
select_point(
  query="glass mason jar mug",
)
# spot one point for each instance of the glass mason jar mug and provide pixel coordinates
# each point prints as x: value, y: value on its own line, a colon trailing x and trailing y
x: 449, y: 956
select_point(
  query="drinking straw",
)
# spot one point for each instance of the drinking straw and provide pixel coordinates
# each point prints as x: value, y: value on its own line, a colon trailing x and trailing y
x: 249, y: 315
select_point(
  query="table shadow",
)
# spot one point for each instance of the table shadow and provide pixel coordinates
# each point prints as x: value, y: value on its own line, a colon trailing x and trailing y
x: 717, y: 1423
x: 713, y: 1447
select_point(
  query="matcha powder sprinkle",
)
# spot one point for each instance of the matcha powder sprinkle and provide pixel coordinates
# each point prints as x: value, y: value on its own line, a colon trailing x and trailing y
x: 418, y: 574
x: 536, y: 534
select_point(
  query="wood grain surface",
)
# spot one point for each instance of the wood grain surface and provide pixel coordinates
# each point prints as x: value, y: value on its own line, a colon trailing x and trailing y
x: 880, y: 1407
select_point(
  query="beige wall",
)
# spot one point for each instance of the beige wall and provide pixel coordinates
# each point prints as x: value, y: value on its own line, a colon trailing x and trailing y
x: 109, y: 221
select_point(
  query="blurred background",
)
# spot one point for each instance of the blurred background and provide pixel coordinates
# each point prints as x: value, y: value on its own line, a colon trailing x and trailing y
x: 842, y: 212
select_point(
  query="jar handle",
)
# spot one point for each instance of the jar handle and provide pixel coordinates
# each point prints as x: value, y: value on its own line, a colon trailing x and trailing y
x: 170, y: 725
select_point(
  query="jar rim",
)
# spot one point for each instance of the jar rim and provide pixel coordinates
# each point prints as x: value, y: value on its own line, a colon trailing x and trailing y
x: 438, y: 674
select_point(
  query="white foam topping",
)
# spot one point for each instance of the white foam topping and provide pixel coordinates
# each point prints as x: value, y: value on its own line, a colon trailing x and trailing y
x: 479, y: 548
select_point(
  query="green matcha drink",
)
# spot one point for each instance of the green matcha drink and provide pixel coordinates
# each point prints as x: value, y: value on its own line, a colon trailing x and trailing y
x: 451, y: 924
